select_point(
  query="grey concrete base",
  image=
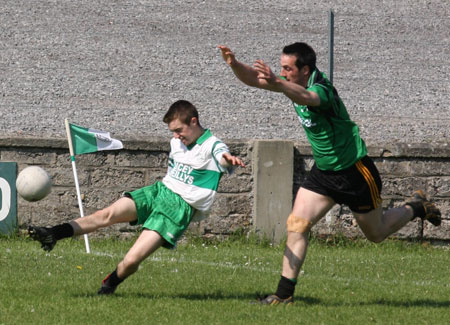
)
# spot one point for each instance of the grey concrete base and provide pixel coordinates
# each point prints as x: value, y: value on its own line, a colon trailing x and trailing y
x: 273, y: 179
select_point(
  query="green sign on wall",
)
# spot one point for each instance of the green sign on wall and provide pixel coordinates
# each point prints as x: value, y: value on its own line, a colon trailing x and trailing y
x: 8, y: 197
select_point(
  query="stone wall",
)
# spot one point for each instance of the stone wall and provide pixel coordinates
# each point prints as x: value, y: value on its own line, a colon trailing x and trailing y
x: 104, y: 176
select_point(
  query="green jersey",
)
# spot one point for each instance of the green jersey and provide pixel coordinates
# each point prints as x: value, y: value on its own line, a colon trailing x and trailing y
x: 334, y: 138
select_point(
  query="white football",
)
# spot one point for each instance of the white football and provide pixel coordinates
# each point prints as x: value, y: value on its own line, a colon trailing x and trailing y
x: 33, y: 183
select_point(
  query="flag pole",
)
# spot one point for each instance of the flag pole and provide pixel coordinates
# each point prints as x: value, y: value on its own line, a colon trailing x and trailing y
x: 77, y: 185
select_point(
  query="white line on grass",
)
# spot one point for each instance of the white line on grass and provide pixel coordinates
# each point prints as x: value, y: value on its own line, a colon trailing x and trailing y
x: 229, y: 265
x: 226, y: 265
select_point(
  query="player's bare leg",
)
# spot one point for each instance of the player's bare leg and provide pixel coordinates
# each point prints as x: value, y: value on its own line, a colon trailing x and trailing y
x: 147, y: 242
x: 123, y: 210
x: 378, y: 225
x: 309, y: 208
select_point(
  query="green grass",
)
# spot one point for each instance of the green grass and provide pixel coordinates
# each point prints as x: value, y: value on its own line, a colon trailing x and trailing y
x: 213, y: 283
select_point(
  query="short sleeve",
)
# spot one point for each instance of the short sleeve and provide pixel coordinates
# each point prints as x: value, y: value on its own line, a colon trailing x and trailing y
x: 219, y: 148
x: 324, y: 94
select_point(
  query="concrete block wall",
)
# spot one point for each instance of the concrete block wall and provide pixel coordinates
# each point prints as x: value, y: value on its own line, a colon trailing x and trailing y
x: 104, y: 176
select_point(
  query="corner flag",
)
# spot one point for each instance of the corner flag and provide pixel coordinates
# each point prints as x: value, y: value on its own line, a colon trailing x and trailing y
x: 83, y: 140
x: 86, y: 140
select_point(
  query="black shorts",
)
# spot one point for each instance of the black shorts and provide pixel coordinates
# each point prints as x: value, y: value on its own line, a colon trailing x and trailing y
x: 358, y: 187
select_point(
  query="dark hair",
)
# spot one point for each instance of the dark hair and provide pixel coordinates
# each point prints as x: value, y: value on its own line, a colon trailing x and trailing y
x: 304, y: 53
x: 182, y: 110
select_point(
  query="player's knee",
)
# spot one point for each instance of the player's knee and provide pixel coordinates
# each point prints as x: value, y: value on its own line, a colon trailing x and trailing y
x: 298, y: 224
x: 103, y: 217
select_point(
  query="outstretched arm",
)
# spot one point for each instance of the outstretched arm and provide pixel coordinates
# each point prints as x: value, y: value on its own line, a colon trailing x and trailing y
x: 295, y: 92
x: 229, y: 160
x: 243, y: 72
x: 261, y: 76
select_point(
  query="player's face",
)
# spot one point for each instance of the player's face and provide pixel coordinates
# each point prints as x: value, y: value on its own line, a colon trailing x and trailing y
x: 186, y: 133
x: 290, y: 71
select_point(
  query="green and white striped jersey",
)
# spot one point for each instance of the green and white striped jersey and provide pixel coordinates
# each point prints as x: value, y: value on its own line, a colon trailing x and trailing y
x: 194, y: 171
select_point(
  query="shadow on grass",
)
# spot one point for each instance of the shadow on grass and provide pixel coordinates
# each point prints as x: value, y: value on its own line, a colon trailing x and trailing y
x: 410, y: 303
x: 196, y: 296
x: 428, y: 303
x: 249, y: 297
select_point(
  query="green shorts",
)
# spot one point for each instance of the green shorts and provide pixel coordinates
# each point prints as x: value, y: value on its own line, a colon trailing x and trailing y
x: 161, y: 210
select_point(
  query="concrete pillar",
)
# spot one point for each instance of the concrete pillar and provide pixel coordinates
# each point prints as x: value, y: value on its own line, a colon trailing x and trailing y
x: 273, y: 171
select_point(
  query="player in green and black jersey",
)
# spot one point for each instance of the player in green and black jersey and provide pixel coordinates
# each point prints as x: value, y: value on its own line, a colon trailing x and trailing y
x: 342, y: 173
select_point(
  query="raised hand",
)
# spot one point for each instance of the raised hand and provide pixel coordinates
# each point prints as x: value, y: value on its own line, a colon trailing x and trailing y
x: 264, y: 71
x: 227, y: 55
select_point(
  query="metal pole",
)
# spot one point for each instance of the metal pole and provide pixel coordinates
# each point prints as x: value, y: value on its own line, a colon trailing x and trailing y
x: 330, y: 44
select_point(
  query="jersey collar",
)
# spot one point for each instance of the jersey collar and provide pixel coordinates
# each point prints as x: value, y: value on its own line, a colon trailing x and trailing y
x: 205, y: 136
x: 312, y: 78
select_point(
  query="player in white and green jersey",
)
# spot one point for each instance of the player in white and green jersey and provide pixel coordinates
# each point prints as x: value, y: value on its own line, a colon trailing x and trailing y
x: 196, y: 179
x: 197, y: 160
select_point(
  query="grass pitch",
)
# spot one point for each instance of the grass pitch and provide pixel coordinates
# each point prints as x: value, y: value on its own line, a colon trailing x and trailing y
x: 213, y: 283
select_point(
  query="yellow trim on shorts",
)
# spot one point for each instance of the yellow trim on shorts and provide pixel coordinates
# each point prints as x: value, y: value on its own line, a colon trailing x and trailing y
x: 374, y: 192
